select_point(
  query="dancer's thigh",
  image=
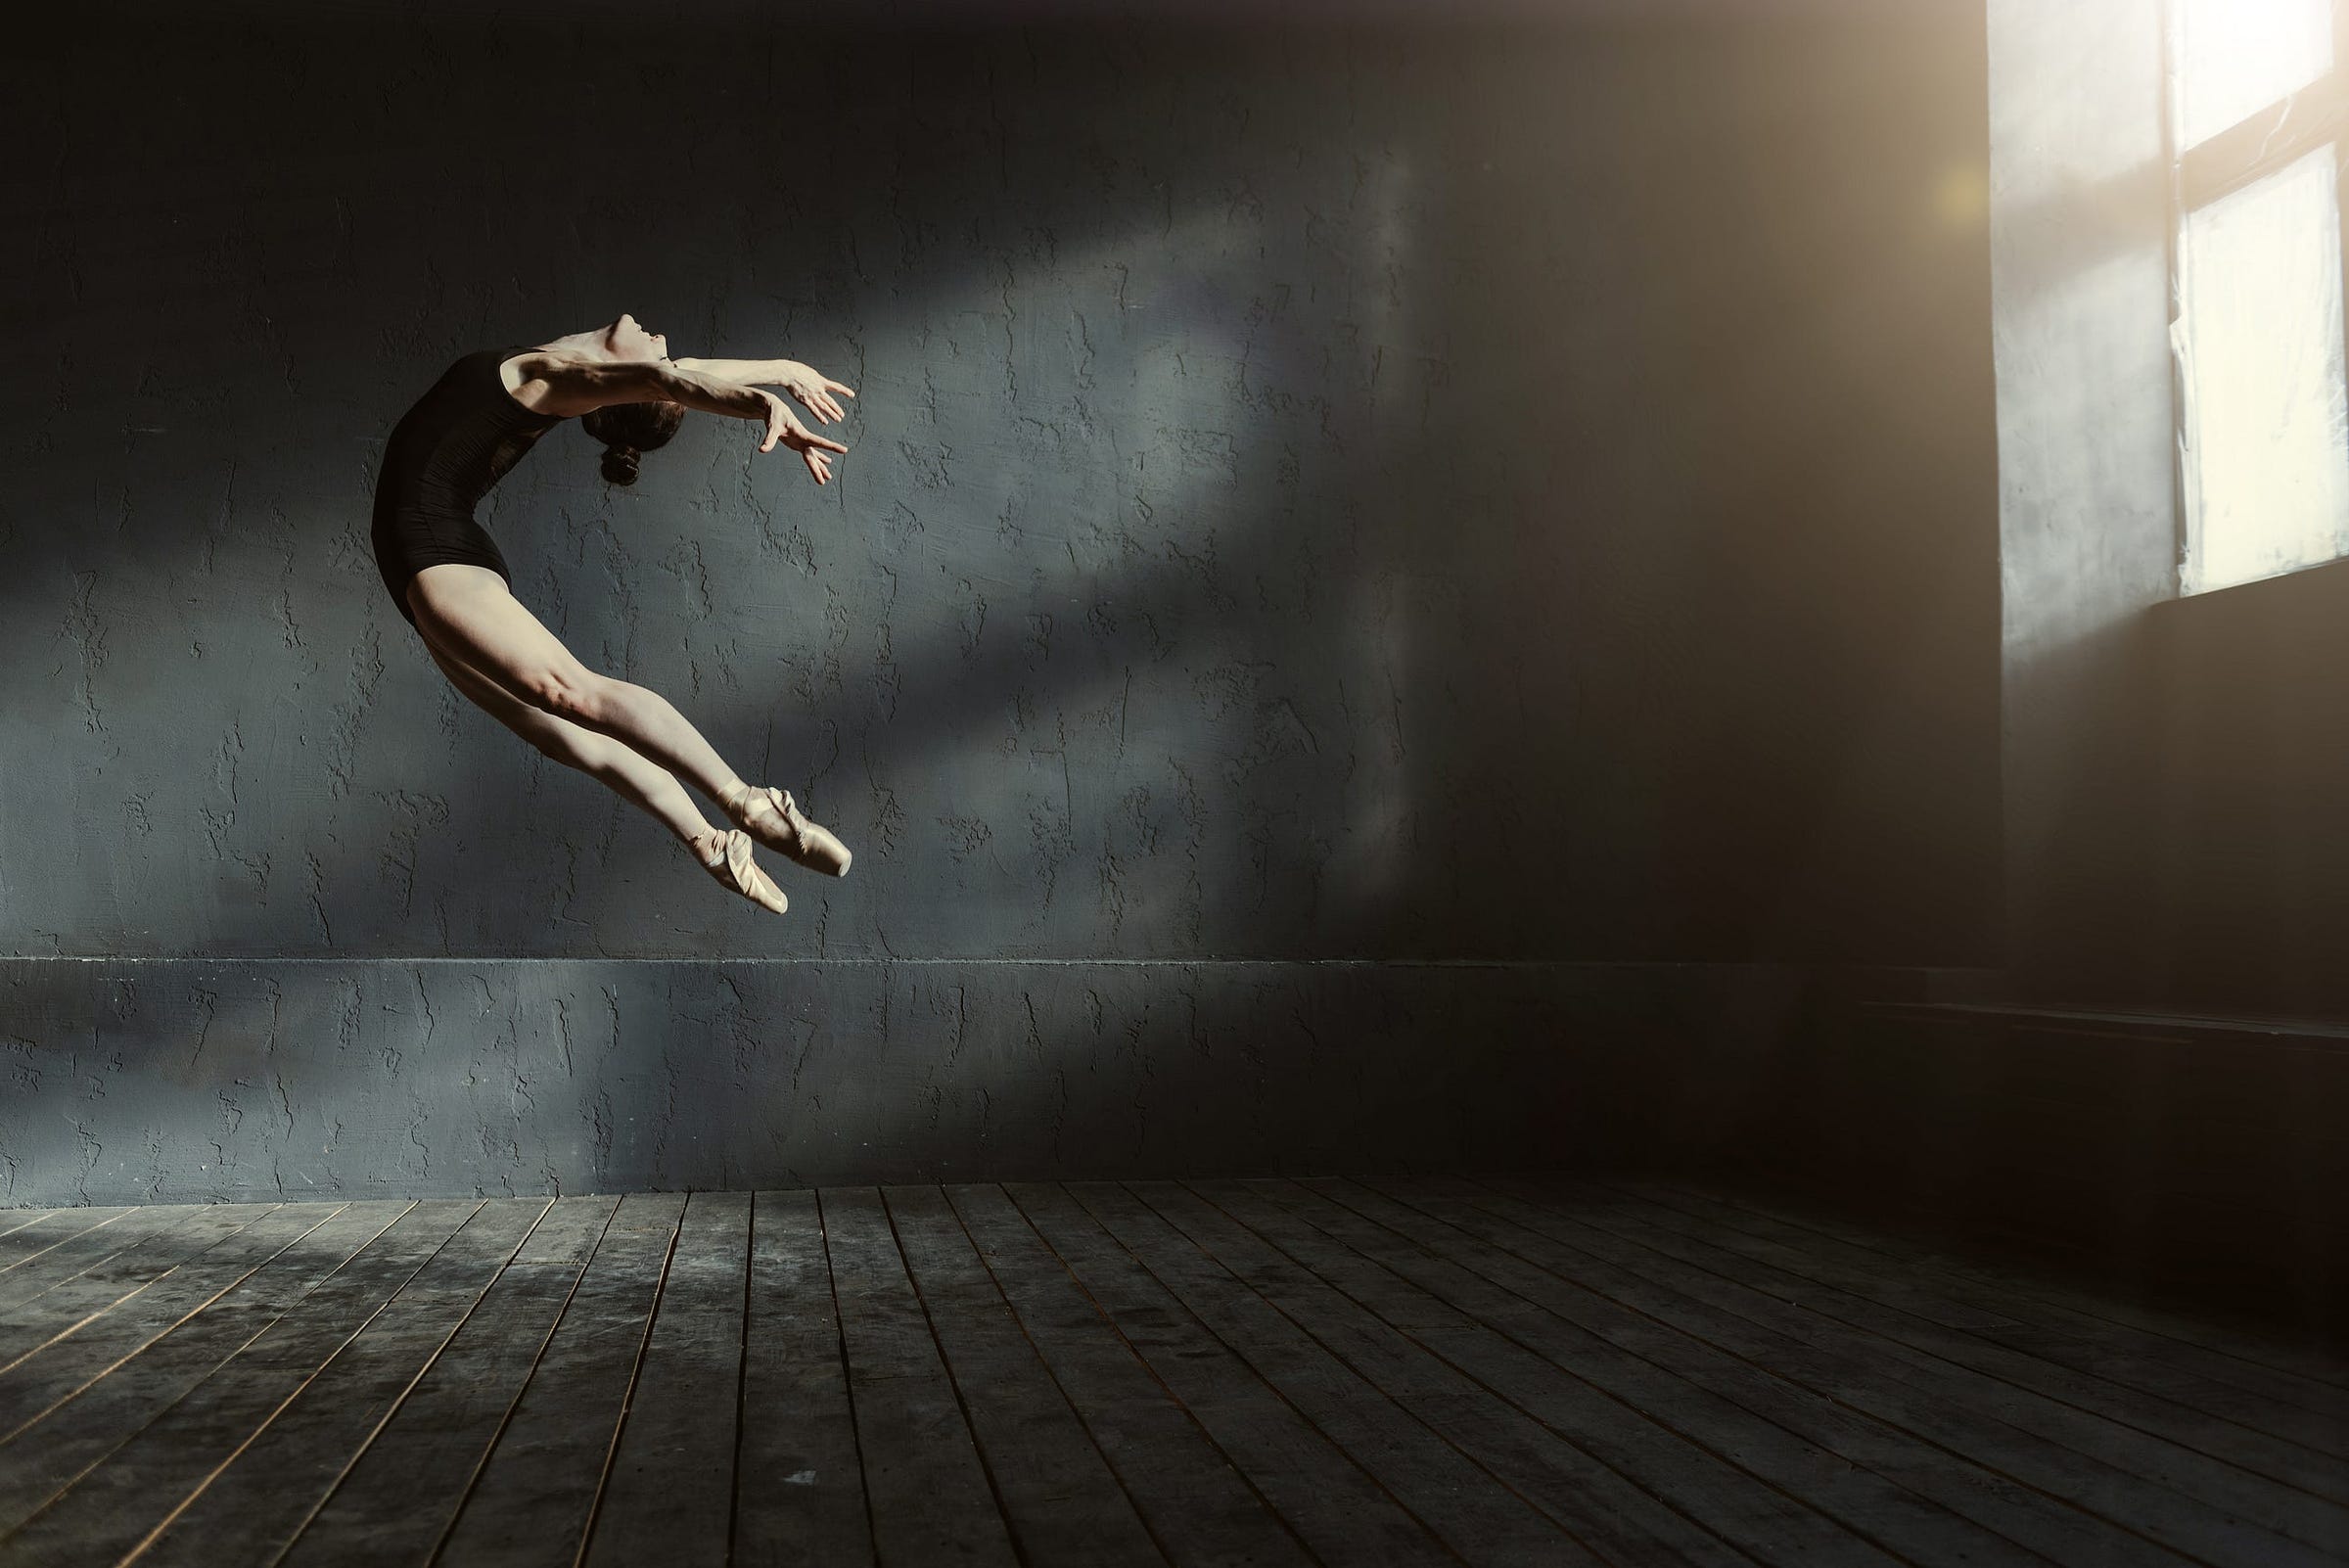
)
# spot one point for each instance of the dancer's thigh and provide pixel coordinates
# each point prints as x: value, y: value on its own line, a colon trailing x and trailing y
x: 467, y: 612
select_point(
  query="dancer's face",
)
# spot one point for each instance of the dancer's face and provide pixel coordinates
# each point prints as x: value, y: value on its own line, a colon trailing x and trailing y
x: 630, y: 341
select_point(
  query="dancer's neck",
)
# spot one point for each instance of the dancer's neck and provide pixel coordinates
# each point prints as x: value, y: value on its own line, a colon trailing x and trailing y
x: 594, y: 344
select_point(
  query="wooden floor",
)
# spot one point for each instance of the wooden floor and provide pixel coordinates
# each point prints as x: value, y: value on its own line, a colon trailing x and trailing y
x: 1265, y: 1372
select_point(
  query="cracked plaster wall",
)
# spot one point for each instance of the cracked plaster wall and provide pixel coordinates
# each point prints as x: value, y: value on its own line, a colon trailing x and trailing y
x: 1325, y: 506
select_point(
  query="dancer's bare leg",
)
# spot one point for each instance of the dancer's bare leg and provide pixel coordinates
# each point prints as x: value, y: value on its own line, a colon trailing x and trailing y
x: 635, y: 779
x: 466, y: 612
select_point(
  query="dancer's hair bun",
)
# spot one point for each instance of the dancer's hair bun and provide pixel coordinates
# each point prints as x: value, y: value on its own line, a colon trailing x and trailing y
x: 627, y: 430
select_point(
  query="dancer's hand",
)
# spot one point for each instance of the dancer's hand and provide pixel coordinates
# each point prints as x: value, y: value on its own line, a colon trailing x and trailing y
x: 815, y: 391
x: 783, y: 426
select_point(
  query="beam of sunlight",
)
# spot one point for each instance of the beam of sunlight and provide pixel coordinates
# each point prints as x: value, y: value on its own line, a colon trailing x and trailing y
x: 2076, y: 142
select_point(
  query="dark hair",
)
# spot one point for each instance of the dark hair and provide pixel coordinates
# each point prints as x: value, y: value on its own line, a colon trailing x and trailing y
x: 627, y: 429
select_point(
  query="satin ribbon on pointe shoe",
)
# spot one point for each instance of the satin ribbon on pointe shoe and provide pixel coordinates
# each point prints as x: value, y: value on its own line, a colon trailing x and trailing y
x: 735, y: 868
x: 799, y: 840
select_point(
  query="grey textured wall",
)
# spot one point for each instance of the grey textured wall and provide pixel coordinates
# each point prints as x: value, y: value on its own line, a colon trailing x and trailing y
x: 1395, y: 496
x: 186, y: 1079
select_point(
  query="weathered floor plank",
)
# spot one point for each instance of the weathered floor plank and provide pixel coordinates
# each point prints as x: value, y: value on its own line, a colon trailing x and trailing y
x: 13, y: 1220
x: 2294, y: 1372
x: 1065, y: 1505
x: 1336, y: 1506
x: 932, y: 1497
x: 81, y: 1300
x: 2305, y: 1495
x: 533, y: 1498
x: 1147, y: 1375
x: 1199, y: 1506
x: 88, y: 1350
x: 1348, y: 1383
x: 50, y: 1229
x: 2017, y: 1435
x: 51, y: 1433
x: 2315, y: 1415
x: 1623, y: 1476
x: 399, y: 1496
x: 2209, y: 1419
x: 1458, y: 1303
x: 250, y: 1510
x: 76, y: 1256
x: 1451, y: 1254
x: 799, y: 1488
x: 111, y: 1508
x: 669, y: 1495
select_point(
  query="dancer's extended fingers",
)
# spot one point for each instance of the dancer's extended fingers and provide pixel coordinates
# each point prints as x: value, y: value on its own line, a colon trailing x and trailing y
x: 824, y: 389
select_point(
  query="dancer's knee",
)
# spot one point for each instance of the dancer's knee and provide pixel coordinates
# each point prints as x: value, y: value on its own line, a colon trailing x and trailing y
x: 578, y: 695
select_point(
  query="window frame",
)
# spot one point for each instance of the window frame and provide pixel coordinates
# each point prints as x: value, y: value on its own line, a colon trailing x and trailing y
x: 2263, y: 142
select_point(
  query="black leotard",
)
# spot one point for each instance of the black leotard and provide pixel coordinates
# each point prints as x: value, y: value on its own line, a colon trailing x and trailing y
x: 443, y: 457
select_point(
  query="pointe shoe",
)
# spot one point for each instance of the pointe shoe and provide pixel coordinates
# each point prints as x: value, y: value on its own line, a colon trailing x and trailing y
x: 772, y: 818
x: 735, y: 868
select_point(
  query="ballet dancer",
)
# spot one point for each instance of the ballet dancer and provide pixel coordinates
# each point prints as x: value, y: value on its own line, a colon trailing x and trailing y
x: 446, y: 575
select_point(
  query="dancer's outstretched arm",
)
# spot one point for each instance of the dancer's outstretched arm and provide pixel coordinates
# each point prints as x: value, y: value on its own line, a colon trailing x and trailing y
x: 568, y: 386
x: 804, y: 381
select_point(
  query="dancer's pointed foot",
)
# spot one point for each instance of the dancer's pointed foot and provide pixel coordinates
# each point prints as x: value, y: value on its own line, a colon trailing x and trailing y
x: 734, y: 868
x: 772, y: 818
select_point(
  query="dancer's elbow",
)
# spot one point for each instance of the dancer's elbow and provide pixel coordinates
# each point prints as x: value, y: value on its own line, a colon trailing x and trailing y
x: 710, y: 394
x: 582, y: 388
x: 643, y: 381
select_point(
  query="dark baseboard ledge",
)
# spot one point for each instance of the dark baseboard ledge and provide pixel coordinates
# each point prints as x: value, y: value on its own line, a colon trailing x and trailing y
x: 2202, y: 1027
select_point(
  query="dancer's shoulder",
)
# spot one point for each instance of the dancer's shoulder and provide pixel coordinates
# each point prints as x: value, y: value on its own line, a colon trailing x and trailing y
x: 536, y: 378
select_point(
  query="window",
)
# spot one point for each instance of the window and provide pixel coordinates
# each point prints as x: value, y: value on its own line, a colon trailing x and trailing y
x: 2257, y: 117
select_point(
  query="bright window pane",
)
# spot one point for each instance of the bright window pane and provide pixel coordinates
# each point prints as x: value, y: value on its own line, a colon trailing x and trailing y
x: 2233, y: 57
x: 2266, y: 412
